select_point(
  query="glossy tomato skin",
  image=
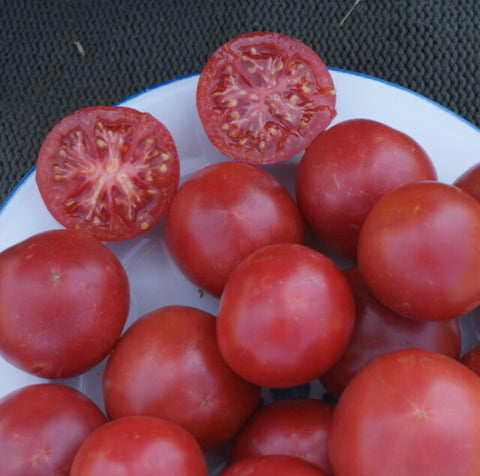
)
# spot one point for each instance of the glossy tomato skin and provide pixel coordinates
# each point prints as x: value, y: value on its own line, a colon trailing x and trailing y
x: 296, y: 427
x: 379, y: 330
x: 167, y: 364
x: 408, y: 412
x: 64, y: 299
x: 418, y: 251
x: 41, y: 428
x: 272, y: 465
x: 263, y: 96
x: 139, y: 446
x: 346, y: 169
x: 469, y: 181
x: 108, y: 171
x: 221, y: 214
x: 285, y: 316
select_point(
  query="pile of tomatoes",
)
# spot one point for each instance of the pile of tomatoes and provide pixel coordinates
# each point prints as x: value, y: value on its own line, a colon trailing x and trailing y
x: 354, y: 283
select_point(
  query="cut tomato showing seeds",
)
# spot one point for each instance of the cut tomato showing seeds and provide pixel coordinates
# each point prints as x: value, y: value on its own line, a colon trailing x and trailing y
x: 262, y: 97
x: 109, y: 171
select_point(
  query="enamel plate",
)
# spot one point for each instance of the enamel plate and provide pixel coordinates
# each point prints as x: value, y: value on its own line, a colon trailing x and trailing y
x: 452, y: 143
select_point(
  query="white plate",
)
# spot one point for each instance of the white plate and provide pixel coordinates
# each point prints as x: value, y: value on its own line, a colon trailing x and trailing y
x: 452, y: 143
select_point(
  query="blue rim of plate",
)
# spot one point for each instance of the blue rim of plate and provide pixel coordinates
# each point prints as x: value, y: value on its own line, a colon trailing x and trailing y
x: 8, y: 198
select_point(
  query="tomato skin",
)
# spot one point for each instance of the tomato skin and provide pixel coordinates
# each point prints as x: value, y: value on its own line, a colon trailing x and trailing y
x: 285, y: 316
x: 272, y: 465
x: 418, y: 251
x: 379, y: 330
x: 41, y: 428
x: 346, y: 169
x: 223, y: 213
x: 469, y: 181
x: 139, y: 446
x: 408, y: 412
x: 108, y: 171
x: 294, y: 427
x: 64, y: 299
x: 263, y: 96
x: 168, y: 365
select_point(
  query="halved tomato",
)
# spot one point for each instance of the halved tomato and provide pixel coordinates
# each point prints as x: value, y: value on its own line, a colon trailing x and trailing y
x: 108, y: 171
x: 262, y: 97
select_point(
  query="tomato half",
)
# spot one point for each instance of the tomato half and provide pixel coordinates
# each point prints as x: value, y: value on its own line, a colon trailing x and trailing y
x: 285, y: 316
x: 64, y: 299
x: 221, y: 214
x: 272, y: 465
x: 167, y: 364
x: 41, y: 428
x: 262, y: 97
x: 139, y: 446
x: 108, y: 171
x: 409, y: 412
x: 379, y: 330
x: 418, y: 251
x: 346, y: 169
x: 296, y: 427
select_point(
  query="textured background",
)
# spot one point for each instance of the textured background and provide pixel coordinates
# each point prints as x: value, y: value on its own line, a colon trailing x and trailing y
x: 59, y: 55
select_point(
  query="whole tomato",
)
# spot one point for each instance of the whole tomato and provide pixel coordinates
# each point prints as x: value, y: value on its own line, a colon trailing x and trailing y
x: 412, y: 412
x: 346, y: 169
x: 418, y: 251
x: 139, y: 446
x: 41, y: 428
x: 221, y: 214
x: 294, y: 427
x: 379, y: 330
x: 285, y: 316
x: 469, y: 181
x: 272, y: 465
x: 167, y: 364
x: 64, y: 299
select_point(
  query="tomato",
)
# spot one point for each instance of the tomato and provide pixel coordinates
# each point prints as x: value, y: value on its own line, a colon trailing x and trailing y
x: 64, y: 299
x: 272, y: 465
x: 108, y: 171
x: 139, y: 446
x: 379, y: 330
x: 285, y: 316
x: 295, y: 427
x: 418, y: 251
x: 262, y: 97
x: 346, y: 169
x: 472, y: 359
x: 41, y: 428
x: 412, y: 412
x: 223, y: 213
x: 469, y: 181
x: 168, y: 365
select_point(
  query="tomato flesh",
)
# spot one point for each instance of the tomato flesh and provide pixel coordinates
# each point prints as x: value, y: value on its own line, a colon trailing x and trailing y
x: 263, y: 96
x: 108, y: 171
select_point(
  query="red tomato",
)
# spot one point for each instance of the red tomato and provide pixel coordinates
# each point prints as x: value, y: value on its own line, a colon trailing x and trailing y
x: 262, y: 97
x: 167, y: 364
x: 139, y: 446
x: 472, y: 359
x: 108, y: 171
x: 285, y: 316
x: 64, y: 299
x: 344, y: 172
x: 409, y: 412
x: 379, y: 330
x: 272, y: 465
x: 41, y: 428
x: 418, y: 251
x: 223, y: 213
x: 469, y: 181
x: 295, y: 427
